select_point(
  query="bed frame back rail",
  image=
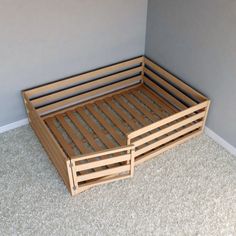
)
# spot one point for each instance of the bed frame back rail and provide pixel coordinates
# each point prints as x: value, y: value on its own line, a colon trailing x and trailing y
x: 71, y: 91
x: 82, y: 78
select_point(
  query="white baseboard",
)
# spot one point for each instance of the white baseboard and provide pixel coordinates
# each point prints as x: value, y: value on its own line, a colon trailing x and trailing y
x: 13, y: 125
x: 230, y: 148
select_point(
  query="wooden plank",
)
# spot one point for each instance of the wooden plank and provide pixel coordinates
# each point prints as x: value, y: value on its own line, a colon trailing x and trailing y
x: 159, y: 100
x: 103, y: 153
x: 67, y: 147
x: 86, y: 186
x: 82, y: 78
x: 177, y: 93
x: 95, y: 128
x: 186, y: 88
x: 83, y: 87
x: 111, y: 171
x: 141, y: 108
x: 112, y: 118
x: 121, y: 113
x: 171, y: 99
x: 84, y: 131
x: 106, y: 125
x: 149, y: 104
x: 88, y: 96
x: 168, y: 138
x: 70, y: 132
x: 167, y: 120
x: 169, y: 129
x: 130, y: 110
x: 103, y: 162
x: 145, y: 157
x: 92, y: 101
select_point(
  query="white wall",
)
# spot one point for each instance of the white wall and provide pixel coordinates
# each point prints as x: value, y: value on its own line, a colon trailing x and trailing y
x: 41, y: 41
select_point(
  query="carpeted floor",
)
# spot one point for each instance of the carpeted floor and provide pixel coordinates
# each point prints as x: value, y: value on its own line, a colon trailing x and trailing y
x: 190, y: 190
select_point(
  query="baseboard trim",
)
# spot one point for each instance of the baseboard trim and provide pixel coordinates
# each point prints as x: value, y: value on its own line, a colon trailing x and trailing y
x: 13, y: 125
x: 230, y: 148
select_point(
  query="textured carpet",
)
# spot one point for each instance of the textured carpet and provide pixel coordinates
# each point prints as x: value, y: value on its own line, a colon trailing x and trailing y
x: 190, y: 190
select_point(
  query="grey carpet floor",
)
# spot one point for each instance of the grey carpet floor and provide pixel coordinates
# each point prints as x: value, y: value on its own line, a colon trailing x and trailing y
x: 190, y: 190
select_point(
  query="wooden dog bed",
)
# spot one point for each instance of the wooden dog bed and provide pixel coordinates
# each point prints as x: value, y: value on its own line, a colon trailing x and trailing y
x: 98, y: 125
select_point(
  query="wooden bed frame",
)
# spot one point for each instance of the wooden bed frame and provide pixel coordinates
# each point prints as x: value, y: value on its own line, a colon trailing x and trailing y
x: 98, y: 125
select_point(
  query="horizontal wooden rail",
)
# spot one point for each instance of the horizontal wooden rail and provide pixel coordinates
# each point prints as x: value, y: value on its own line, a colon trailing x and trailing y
x: 89, y: 95
x: 85, y: 186
x: 87, y: 86
x: 184, y: 87
x: 44, y: 89
x: 167, y: 120
x: 111, y: 171
x: 168, y: 138
x: 170, y: 87
x: 166, y: 95
x: 169, y: 129
x: 103, y: 162
x: 103, y: 153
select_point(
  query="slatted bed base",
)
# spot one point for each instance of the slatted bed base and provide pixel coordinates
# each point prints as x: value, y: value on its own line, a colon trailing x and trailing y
x: 98, y: 125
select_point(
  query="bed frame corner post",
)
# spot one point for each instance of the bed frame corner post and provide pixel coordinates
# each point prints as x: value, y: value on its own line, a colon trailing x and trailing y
x: 72, y: 188
x: 143, y: 65
x: 206, y: 114
x: 132, y: 162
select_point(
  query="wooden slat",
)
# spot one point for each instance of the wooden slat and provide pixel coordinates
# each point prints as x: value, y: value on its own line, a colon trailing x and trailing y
x: 169, y: 129
x: 171, y: 99
x: 158, y: 99
x: 86, y: 186
x: 149, y: 104
x: 186, y: 88
x: 84, y: 131
x: 82, y: 78
x: 103, y: 153
x: 114, y: 120
x: 111, y: 171
x: 120, y: 113
x: 130, y: 110
x: 91, y: 101
x: 103, y: 162
x: 170, y: 87
x: 149, y: 155
x: 70, y: 132
x: 167, y: 120
x: 67, y: 148
x: 141, y: 108
x: 99, y: 132
x: 88, y: 96
x: 168, y: 138
x: 83, y: 87
x: 106, y: 125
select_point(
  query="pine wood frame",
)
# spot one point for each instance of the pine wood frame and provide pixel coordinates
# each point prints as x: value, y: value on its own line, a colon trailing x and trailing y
x: 98, y: 125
